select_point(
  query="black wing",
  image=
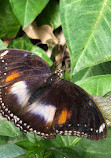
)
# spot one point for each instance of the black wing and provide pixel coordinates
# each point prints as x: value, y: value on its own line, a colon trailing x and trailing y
x: 17, y: 65
x: 45, y: 104
x: 77, y: 113
x: 21, y: 73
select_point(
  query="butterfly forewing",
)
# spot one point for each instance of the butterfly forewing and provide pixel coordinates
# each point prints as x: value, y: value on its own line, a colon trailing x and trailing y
x: 41, y: 102
x: 21, y: 74
x: 16, y: 65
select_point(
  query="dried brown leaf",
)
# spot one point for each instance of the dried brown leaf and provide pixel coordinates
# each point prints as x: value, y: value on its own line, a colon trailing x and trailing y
x: 44, y: 33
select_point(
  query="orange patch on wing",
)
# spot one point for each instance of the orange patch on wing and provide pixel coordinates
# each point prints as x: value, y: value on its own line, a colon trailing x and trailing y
x: 48, y: 124
x: 62, y: 117
x: 12, y: 76
x: 69, y: 115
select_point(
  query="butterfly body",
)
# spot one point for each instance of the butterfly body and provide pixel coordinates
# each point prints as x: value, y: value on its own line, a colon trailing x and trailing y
x: 40, y: 101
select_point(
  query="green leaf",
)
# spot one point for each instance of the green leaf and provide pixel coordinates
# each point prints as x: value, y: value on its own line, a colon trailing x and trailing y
x: 94, y: 149
x: 67, y: 146
x: 100, y: 69
x: 96, y: 85
x: 33, y: 137
x: 3, y: 140
x: 26, y: 144
x: 11, y: 151
x: 24, y: 43
x: 2, y: 46
x: 58, y: 147
x: 87, y: 28
x: 8, y: 129
x: 9, y: 25
x: 27, y: 10
x: 50, y: 15
x: 62, y: 153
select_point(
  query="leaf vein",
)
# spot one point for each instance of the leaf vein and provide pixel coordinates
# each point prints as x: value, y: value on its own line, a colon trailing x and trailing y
x: 100, y: 15
x: 107, y: 23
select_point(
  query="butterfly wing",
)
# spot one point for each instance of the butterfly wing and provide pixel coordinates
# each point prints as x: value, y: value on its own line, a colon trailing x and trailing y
x: 77, y: 113
x: 71, y: 111
x: 21, y: 73
x: 17, y: 65
x: 40, y: 102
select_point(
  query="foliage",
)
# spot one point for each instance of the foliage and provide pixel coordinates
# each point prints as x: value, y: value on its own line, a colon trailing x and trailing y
x: 87, y: 29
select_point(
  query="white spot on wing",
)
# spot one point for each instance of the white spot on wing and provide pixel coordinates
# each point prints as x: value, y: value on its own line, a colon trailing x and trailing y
x: 4, y: 53
x: 44, y: 111
x: 20, y: 90
x: 101, y: 128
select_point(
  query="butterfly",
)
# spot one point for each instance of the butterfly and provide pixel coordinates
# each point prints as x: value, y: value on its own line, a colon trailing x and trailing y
x: 39, y: 101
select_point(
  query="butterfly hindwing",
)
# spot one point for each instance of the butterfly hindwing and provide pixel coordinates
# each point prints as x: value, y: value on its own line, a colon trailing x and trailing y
x: 83, y: 116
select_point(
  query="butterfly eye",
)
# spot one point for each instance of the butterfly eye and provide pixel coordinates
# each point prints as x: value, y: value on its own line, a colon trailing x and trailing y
x: 52, y: 78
